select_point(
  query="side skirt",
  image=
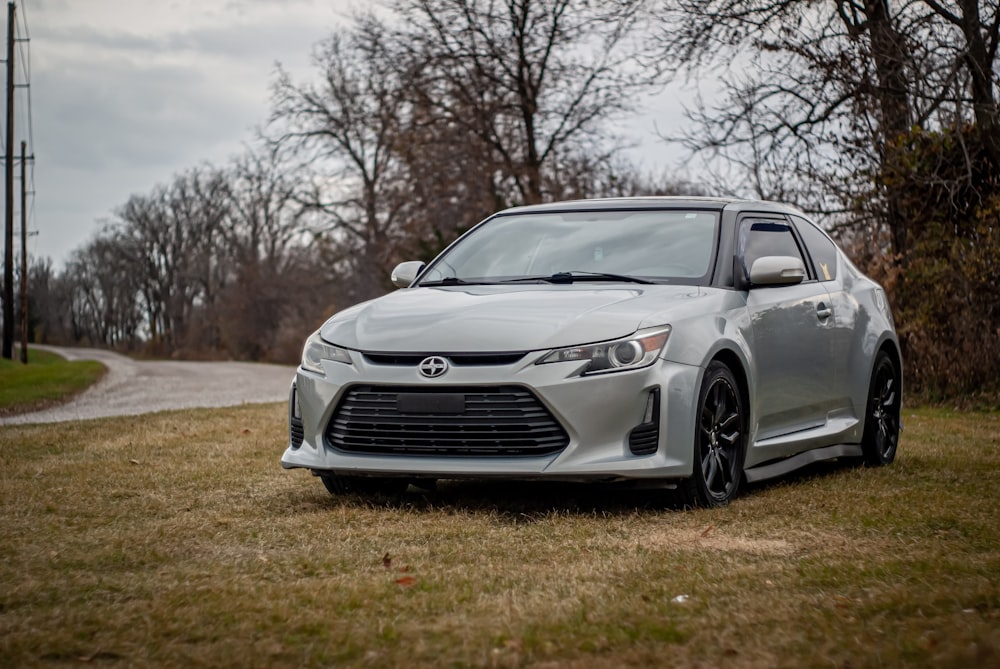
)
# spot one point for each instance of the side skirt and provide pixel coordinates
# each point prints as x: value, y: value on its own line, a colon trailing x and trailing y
x: 782, y: 467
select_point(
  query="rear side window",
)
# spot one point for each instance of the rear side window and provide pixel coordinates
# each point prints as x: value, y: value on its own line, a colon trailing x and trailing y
x: 821, y: 249
x: 759, y: 238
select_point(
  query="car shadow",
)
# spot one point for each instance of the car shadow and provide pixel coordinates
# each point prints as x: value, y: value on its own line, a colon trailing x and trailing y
x: 519, y: 502
x: 816, y: 470
x: 523, y: 502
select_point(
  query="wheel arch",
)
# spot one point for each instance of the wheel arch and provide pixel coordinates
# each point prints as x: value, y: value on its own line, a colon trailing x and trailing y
x: 734, y: 362
x: 739, y: 366
x: 697, y: 490
x: 875, y: 449
x: 891, y: 348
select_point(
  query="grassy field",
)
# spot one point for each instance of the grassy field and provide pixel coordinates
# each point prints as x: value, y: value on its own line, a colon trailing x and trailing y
x: 47, y: 379
x: 176, y: 540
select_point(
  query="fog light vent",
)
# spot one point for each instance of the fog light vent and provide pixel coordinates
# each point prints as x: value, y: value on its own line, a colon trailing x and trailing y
x: 645, y: 437
x: 296, y: 429
x: 296, y: 432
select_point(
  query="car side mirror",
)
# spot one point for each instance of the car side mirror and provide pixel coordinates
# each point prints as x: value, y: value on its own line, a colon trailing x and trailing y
x: 405, y: 272
x: 777, y: 271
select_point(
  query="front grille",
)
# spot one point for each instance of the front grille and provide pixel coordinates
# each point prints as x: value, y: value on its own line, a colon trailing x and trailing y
x: 493, y: 421
x: 458, y: 359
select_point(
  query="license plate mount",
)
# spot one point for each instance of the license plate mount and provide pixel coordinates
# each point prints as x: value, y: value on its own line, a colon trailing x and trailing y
x: 430, y: 403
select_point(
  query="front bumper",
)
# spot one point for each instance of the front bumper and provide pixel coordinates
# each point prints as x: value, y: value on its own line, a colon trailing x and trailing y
x: 597, y: 412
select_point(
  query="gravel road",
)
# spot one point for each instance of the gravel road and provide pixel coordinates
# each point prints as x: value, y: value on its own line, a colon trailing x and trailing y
x: 131, y: 387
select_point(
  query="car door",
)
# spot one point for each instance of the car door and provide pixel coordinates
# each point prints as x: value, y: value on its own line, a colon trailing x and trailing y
x: 844, y: 329
x: 792, y: 341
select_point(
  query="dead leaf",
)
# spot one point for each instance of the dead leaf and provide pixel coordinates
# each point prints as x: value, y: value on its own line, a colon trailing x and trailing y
x: 387, y: 561
x: 246, y: 431
x: 133, y: 461
x: 707, y: 530
x: 406, y: 581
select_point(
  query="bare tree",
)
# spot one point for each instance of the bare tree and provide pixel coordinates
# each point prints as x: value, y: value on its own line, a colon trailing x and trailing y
x: 51, y: 317
x: 344, y: 131
x: 822, y: 95
x: 274, y: 289
x: 530, y: 80
x: 263, y: 216
x: 170, y: 237
x: 414, y: 134
x: 977, y: 52
x: 104, y: 293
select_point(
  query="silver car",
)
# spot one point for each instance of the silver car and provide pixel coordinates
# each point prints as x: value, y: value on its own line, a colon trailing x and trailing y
x: 684, y: 343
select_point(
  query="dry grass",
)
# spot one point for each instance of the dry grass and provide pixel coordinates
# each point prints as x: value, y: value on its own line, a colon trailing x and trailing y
x: 176, y: 540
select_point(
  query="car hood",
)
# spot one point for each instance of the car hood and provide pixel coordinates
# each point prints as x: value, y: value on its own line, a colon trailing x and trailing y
x: 502, y: 318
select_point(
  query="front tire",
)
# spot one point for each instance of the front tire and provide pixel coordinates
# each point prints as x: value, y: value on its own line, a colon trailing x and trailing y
x: 881, y: 435
x: 720, y: 441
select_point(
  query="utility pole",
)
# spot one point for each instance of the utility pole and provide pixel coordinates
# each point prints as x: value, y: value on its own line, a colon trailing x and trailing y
x: 24, y: 256
x: 8, y: 256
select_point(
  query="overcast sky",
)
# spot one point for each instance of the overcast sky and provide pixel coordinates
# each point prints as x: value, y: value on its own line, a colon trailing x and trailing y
x: 127, y: 93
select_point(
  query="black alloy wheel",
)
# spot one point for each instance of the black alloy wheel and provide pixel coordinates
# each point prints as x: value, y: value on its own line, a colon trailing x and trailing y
x: 720, y: 442
x: 882, y: 424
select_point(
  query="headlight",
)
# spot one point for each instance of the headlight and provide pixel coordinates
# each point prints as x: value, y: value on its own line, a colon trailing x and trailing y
x: 316, y: 350
x: 639, y: 350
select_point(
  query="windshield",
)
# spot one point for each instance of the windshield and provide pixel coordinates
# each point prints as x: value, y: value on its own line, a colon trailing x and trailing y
x: 673, y: 246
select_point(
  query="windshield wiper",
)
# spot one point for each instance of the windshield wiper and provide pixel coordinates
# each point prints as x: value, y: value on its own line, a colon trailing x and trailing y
x: 579, y: 275
x: 452, y: 281
x: 572, y: 276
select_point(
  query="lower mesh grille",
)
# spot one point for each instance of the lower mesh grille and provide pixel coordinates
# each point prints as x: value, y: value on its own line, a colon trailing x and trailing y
x: 644, y: 439
x: 296, y: 432
x: 495, y: 421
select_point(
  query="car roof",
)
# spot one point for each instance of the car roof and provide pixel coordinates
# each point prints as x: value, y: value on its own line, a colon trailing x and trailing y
x: 655, y: 202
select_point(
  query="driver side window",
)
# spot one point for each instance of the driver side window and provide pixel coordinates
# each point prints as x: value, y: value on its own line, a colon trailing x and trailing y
x: 763, y: 237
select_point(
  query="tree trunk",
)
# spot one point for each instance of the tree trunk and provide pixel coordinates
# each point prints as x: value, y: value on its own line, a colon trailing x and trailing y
x: 981, y: 72
x: 890, y: 56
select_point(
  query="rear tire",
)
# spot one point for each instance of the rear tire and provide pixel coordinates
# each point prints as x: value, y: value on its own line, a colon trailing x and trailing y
x: 720, y: 441
x: 881, y: 435
x: 368, y: 486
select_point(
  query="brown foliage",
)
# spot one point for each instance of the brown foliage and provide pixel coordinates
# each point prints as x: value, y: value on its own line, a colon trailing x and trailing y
x: 946, y: 289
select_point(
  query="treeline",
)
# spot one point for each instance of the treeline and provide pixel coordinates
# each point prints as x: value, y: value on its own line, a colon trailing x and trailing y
x: 222, y: 261
x: 880, y: 118
x: 407, y: 137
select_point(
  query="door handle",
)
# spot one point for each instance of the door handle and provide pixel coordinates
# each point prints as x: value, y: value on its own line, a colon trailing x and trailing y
x: 823, y: 311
